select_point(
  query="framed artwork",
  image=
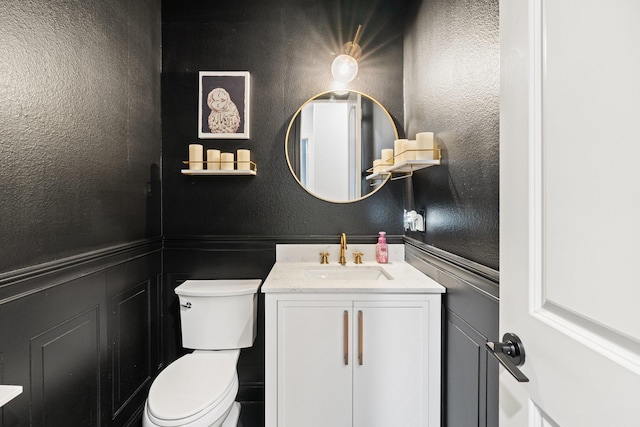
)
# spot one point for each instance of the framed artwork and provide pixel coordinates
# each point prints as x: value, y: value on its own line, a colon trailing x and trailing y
x: 223, y: 109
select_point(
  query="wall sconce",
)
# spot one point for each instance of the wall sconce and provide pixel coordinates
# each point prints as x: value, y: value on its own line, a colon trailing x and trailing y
x: 345, y: 65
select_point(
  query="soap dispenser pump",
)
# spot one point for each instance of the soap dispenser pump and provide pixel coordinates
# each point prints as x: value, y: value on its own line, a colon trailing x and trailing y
x: 382, y: 250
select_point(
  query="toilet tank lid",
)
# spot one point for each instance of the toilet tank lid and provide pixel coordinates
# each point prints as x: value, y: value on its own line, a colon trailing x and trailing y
x: 203, y: 288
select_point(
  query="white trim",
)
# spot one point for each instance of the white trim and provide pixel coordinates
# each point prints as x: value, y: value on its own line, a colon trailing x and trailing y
x: 538, y: 418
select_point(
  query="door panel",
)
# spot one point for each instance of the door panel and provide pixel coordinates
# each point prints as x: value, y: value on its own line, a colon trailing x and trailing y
x: 388, y: 385
x: 314, y: 383
x: 570, y: 102
x: 589, y: 165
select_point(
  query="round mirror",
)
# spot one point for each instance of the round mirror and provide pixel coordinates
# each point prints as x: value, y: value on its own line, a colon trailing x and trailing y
x: 332, y: 141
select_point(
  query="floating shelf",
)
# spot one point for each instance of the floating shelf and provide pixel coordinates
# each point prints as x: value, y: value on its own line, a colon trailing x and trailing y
x: 406, y: 167
x: 218, y: 172
x: 247, y: 172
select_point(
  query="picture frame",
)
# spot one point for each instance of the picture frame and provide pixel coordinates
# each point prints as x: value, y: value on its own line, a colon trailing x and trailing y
x: 223, y: 105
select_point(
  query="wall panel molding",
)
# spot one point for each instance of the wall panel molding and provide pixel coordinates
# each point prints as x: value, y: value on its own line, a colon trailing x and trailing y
x: 253, y: 241
x: 66, y: 372
x: 22, y: 282
x: 82, y: 337
x: 471, y: 315
x: 484, y: 279
x: 131, y: 348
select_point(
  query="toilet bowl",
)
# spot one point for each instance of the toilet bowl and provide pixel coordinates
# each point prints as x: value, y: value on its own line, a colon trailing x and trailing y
x: 196, y: 390
x: 218, y: 318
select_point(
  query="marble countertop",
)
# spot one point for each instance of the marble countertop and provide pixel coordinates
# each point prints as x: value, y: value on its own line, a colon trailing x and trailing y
x: 8, y: 392
x: 293, y: 263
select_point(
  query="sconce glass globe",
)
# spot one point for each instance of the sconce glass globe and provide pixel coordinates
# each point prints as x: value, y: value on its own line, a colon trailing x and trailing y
x: 344, y: 68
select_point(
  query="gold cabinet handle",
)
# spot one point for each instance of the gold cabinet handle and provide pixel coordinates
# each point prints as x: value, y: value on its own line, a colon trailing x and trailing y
x: 360, y: 339
x: 346, y: 337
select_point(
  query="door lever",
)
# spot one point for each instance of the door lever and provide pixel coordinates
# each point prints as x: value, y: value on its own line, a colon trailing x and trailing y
x: 510, y: 354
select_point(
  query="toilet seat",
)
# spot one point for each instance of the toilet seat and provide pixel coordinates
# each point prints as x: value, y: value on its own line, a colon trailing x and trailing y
x: 197, y: 385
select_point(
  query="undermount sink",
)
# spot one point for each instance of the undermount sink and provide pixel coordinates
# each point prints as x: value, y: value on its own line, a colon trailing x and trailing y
x: 347, y: 273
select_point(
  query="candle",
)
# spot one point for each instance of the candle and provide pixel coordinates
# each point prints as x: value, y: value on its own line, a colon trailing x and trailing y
x: 213, y: 159
x: 424, y: 141
x: 387, y: 156
x: 410, y: 150
x: 195, y: 157
x: 397, y: 150
x: 377, y: 166
x: 244, y: 157
x: 226, y: 161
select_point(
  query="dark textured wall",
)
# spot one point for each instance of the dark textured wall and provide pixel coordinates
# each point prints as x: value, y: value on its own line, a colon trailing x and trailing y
x: 451, y: 61
x: 80, y: 127
x: 288, y: 47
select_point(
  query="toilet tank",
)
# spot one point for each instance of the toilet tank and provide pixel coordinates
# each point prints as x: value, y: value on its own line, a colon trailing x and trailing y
x: 218, y: 314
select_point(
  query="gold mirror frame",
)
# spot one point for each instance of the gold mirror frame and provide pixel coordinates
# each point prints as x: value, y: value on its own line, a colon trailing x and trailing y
x: 326, y: 95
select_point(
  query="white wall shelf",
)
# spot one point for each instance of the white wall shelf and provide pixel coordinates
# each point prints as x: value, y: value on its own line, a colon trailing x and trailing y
x: 407, y: 167
x: 252, y: 171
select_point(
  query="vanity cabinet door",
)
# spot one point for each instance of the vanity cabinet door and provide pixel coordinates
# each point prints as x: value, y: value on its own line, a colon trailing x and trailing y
x: 390, y: 374
x: 314, y: 380
x: 370, y: 360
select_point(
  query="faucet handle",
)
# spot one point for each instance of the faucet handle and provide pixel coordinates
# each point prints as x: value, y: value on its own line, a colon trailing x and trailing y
x: 324, y: 257
x: 358, y: 257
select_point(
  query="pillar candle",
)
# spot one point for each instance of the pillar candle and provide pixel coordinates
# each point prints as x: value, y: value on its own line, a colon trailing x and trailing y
x: 226, y: 161
x: 244, y: 157
x: 397, y: 150
x: 377, y: 166
x: 424, y: 141
x: 387, y: 156
x: 410, y: 150
x: 195, y: 157
x: 213, y: 159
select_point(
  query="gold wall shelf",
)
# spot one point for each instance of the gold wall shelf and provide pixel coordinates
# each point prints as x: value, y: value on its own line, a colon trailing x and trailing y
x: 218, y: 172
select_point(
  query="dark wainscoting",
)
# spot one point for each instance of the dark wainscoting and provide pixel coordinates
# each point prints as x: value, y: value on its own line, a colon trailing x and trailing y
x: 470, y: 318
x: 82, y: 336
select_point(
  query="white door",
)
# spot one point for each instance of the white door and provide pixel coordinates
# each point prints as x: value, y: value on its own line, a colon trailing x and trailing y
x: 390, y: 374
x: 570, y: 210
x: 314, y: 379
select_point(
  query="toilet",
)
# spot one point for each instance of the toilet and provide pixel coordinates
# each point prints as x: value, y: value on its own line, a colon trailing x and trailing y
x: 218, y: 318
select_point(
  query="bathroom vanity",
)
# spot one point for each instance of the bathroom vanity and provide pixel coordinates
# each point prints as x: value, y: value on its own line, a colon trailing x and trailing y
x: 354, y: 345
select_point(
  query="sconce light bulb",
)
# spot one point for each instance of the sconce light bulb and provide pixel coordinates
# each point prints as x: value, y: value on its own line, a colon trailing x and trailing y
x: 344, y: 68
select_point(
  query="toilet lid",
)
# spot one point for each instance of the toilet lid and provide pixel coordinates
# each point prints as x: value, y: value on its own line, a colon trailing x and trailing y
x: 193, y: 383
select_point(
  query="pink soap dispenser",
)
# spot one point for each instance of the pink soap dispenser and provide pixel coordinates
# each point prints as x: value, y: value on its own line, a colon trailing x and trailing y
x: 382, y: 250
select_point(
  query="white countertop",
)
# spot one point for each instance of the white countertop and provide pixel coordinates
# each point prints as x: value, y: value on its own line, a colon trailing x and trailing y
x: 8, y: 392
x: 289, y: 274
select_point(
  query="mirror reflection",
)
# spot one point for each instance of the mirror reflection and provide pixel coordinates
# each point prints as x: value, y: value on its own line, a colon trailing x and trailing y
x: 332, y: 141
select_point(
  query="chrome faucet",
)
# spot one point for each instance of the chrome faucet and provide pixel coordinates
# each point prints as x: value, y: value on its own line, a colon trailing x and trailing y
x: 343, y: 247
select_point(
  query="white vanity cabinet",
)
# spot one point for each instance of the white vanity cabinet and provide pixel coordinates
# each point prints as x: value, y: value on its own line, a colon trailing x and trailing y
x: 352, y: 359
